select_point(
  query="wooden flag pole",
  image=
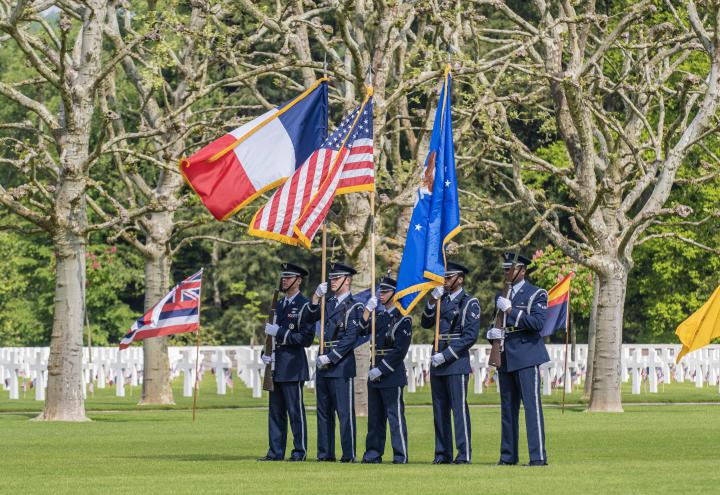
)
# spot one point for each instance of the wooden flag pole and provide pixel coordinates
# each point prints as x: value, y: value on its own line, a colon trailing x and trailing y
x: 197, y: 372
x: 437, y: 324
x: 197, y: 357
x: 372, y: 277
x: 369, y: 91
x: 323, y: 276
x: 567, y: 333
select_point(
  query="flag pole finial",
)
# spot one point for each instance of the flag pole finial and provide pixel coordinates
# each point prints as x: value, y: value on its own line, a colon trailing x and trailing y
x: 450, y: 51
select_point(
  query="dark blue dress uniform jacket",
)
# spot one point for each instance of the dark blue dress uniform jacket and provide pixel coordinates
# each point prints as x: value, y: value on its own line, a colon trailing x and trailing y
x: 524, y: 347
x: 459, y: 327
x: 295, y: 334
x: 393, y: 335
x: 343, y: 323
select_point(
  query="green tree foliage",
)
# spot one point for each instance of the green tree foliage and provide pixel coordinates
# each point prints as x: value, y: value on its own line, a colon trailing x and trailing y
x: 26, y: 297
x: 26, y: 294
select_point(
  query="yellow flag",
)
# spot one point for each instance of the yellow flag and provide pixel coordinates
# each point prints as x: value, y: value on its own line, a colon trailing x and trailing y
x: 701, y: 327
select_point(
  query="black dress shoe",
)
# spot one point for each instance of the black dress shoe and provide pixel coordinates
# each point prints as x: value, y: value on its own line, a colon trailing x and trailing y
x: 459, y: 461
x: 505, y: 463
x: 296, y: 459
x: 537, y: 463
x: 399, y: 462
x: 440, y: 460
x: 375, y: 460
x: 347, y: 461
x: 327, y: 459
x: 268, y: 458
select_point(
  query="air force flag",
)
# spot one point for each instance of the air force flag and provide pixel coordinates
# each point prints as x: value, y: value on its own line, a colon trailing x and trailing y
x: 436, y: 217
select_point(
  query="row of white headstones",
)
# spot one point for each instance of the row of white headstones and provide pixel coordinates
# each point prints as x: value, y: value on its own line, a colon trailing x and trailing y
x: 643, y: 365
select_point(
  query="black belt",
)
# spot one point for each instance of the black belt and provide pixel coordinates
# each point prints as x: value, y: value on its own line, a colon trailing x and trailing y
x: 330, y: 343
x: 382, y: 352
x: 513, y: 329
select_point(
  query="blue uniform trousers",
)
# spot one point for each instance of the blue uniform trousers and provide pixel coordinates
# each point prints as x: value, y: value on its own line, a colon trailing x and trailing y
x: 386, y: 405
x: 286, y: 401
x: 521, y: 385
x: 449, y: 395
x: 335, y: 396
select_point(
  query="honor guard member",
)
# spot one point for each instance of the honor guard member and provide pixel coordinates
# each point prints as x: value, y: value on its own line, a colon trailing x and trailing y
x: 450, y: 366
x: 519, y: 373
x: 334, y: 384
x: 393, y: 334
x: 293, y: 332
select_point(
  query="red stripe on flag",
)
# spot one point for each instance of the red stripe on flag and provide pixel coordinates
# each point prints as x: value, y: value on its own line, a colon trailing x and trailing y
x: 358, y: 166
x: 274, y: 209
x: 290, y: 203
x: 559, y: 300
x: 361, y: 149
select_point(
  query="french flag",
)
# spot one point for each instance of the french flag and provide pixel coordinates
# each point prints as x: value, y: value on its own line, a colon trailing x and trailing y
x: 235, y: 169
x: 558, y: 306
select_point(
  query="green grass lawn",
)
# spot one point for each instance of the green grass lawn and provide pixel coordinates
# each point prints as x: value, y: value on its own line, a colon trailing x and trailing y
x: 241, y: 396
x: 669, y: 449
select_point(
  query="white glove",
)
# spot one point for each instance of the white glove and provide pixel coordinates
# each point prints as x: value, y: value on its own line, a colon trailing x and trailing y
x: 371, y: 304
x: 266, y: 359
x: 503, y: 303
x: 271, y: 329
x: 323, y: 361
x: 374, y: 374
x: 437, y: 292
x: 321, y: 289
x: 495, y: 333
x: 437, y: 359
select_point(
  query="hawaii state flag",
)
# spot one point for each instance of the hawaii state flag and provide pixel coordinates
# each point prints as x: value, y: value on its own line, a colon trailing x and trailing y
x: 558, y: 306
x: 177, y: 312
x: 235, y: 169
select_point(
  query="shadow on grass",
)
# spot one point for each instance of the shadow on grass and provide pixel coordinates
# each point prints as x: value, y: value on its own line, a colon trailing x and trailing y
x: 195, y: 457
x: 568, y: 409
x: 116, y: 418
x: 17, y: 415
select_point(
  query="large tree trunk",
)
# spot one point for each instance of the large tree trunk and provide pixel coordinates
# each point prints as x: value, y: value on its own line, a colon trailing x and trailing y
x: 64, y: 386
x: 359, y: 207
x: 591, y: 338
x: 156, y: 369
x: 605, y: 395
x: 64, y: 400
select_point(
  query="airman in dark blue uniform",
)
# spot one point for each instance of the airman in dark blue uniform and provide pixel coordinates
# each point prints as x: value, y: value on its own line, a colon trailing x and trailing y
x: 292, y: 332
x: 393, y: 334
x: 334, y: 384
x: 459, y: 326
x: 523, y: 353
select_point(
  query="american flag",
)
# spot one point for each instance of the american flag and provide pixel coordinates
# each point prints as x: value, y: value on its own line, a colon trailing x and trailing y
x: 342, y: 164
x: 177, y: 312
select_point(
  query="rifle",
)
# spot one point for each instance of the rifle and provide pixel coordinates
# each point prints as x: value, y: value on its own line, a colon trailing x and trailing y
x: 268, y: 350
x: 495, y: 358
